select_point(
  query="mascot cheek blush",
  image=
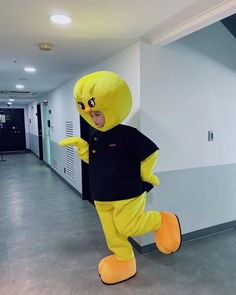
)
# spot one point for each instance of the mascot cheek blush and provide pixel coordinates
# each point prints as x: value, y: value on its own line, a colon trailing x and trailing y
x: 121, y: 161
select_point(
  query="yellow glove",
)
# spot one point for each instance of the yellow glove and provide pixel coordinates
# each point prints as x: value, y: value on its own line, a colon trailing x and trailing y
x: 82, y: 145
x: 147, y: 166
x: 75, y: 141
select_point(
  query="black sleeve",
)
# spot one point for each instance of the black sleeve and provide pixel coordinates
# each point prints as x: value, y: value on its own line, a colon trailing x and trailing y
x: 139, y: 144
x: 147, y: 186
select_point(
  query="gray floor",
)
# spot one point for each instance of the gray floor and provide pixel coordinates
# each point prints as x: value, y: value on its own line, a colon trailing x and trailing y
x: 51, y: 242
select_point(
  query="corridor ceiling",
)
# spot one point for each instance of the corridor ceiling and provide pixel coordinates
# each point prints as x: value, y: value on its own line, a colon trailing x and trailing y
x: 99, y: 29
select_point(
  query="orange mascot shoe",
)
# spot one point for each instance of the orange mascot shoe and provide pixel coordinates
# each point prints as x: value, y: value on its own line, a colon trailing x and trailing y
x: 103, y: 262
x: 113, y: 271
x: 168, y: 236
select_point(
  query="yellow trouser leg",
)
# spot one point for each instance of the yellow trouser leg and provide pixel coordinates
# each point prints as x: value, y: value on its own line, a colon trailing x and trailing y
x: 121, y: 219
x: 117, y: 243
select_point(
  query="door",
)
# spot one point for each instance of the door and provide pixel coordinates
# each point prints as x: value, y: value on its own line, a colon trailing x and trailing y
x: 86, y: 131
x: 12, y: 130
x: 46, y: 127
x: 40, y: 134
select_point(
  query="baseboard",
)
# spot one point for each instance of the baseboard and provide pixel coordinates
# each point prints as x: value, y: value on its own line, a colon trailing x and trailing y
x: 65, y: 181
x: 62, y: 178
x: 32, y: 152
x: 187, y: 237
x: 209, y: 231
x: 69, y: 185
x: 26, y: 151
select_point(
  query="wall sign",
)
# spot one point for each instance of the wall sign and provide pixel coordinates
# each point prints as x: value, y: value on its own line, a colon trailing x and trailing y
x: 2, y: 118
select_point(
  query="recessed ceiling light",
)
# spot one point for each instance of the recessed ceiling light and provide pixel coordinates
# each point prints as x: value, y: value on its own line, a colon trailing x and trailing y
x: 20, y: 86
x: 29, y: 69
x: 60, y: 19
x: 45, y: 46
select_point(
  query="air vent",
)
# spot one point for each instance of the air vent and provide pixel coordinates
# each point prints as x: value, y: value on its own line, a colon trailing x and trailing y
x: 15, y: 93
x: 54, y: 164
x: 12, y: 92
x: 70, y: 156
x: 70, y: 162
x: 69, y: 129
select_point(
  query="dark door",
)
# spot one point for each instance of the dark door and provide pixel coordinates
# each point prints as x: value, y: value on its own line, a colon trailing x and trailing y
x: 12, y: 130
x: 86, y: 131
x: 40, y: 134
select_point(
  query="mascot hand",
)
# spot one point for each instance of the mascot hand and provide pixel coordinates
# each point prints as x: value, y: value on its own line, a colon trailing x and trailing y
x: 75, y: 141
x: 154, y: 180
x: 82, y: 145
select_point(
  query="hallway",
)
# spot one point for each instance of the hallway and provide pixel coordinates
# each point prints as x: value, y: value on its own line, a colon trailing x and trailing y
x: 51, y: 242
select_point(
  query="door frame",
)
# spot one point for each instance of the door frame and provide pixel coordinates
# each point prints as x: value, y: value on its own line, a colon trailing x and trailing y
x: 40, y: 134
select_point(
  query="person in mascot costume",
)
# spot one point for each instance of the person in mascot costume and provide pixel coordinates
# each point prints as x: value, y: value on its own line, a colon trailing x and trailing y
x: 121, y: 161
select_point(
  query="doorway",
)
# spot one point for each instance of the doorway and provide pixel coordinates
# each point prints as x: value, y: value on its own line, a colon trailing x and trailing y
x: 86, y: 131
x: 12, y: 130
x: 40, y: 135
x: 46, y: 139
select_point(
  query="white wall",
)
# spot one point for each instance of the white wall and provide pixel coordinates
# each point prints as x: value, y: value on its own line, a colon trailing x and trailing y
x: 188, y: 88
x: 62, y: 107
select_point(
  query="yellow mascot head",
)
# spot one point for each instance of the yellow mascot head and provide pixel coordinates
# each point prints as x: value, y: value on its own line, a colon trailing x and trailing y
x: 104, y: 92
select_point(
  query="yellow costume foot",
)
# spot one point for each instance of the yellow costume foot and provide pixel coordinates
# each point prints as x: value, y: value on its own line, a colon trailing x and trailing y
x: 168, y: 236
x: 103, y: 262
x: 113, y: 271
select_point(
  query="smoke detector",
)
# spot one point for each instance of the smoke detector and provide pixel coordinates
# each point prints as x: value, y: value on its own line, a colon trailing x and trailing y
x: 45, y: 46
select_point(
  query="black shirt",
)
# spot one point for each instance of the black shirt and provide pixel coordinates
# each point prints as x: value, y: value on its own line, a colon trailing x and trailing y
x: 114, y: 163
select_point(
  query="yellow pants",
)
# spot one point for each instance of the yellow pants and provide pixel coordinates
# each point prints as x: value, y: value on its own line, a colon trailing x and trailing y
x: 121, y: 219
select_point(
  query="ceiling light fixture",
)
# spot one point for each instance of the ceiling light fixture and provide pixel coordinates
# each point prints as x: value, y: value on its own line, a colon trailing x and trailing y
x: 60, y: 19
x: 11, y: 99
x: 20, y: 86
x: 29, y: 69
x: 45, y: 46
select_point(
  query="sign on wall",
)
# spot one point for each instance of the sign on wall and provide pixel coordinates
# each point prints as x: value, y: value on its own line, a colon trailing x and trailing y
x: 2, y: 118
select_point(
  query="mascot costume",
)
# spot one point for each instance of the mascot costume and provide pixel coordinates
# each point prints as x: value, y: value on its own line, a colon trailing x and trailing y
x: 121, y: 161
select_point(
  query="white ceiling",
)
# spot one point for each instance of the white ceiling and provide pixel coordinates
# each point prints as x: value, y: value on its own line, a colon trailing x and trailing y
x: 99, y: 28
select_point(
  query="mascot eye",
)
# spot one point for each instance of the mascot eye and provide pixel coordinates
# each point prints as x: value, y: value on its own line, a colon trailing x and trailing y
x: 91, y: 102
x: 81, y: 105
